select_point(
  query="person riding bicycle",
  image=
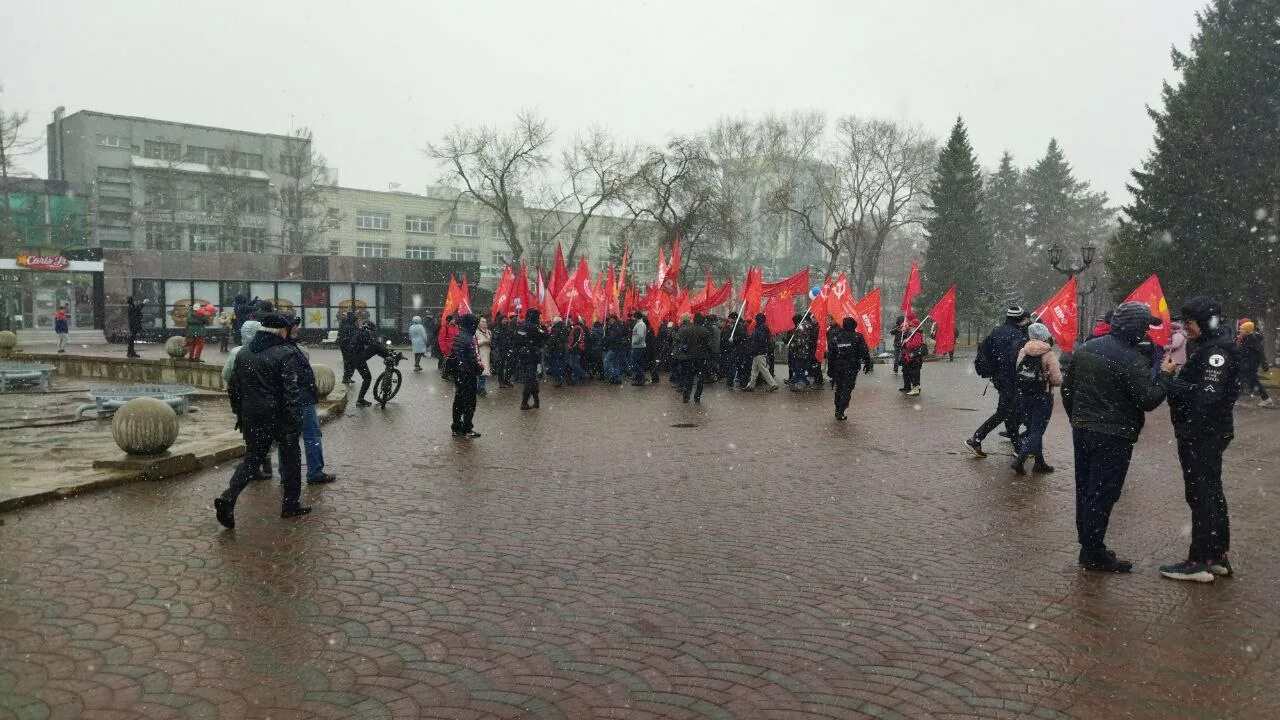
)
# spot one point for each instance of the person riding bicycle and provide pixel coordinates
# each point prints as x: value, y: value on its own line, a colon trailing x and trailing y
x: 364, y: 345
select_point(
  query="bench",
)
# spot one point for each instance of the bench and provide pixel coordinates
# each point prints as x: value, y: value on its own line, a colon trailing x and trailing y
x: 109, y: 399
x: 14, y: 375
x: 332, y: 339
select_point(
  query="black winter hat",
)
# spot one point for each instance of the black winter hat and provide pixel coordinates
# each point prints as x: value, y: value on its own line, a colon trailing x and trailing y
x: 1131, y: 320
x: 849, y: 324
x: 532, y: 315
x: 469, y: 322
x: 1203, y: 310
x: 275, y: 321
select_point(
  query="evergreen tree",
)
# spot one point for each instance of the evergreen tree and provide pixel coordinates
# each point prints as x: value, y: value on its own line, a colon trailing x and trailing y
x: 1205, y: 214
x: 1061, y: 211
x: 1005, y: 209
x: 959, y: 240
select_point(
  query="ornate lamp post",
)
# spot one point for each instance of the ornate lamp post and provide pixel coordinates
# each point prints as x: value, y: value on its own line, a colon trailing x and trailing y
x: 1086, y: 256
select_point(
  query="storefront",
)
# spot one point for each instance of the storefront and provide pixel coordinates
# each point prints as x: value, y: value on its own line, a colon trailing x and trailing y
x: 34, y: 286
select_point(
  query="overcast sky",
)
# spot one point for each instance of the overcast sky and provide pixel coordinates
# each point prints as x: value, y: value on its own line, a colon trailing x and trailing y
x: 377, y: 80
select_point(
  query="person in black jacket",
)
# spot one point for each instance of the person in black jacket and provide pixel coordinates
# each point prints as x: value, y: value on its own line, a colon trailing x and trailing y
x: 1253, y: 358
x: 466, y: 367
x: 365, y: 345
x: 346, y: 333
x: 999, y: 351
x: 846, y: 351
x: 266, y: 400
x: 1202, y: 396
x: 135, y: 324
x: 529, y: 341
x: 1107, y: 392
x: 693, y: 342
x: 308, y: 396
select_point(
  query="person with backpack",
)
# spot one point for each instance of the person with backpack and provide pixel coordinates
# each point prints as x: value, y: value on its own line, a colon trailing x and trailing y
x: 1038, y: 373
x: 995, y: 361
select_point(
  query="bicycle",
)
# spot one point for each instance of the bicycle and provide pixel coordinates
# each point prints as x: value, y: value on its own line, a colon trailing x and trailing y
x: 388, y: 382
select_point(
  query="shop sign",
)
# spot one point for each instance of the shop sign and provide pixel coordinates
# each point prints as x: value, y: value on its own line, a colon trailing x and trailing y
x: 43, y: 262
x: 10, y: 277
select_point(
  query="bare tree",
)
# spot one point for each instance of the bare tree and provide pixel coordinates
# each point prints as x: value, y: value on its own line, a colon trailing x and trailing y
x: 495, y: 167
x: 14, y: 144
x: 599, y: 172
x: 299, y: 201
x: 676, y: 188
x: 548, y: 220
x: 167, y: 191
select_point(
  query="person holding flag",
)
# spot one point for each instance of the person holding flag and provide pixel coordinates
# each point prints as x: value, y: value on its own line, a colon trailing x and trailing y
x: 846, y: 351
x: 914, y: 351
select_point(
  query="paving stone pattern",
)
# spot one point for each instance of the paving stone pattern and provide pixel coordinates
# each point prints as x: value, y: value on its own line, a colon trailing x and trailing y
x: 590, y: 560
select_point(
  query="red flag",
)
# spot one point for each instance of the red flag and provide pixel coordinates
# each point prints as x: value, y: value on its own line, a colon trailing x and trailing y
x: 521, y: 300
x: 610, y: 293
x: 560, y: 275
x: 682, y: 306
x: 452, y: 297
x: 778, y: 312
x: 1060, y: 314
x: 577, y: 294
x: 944, y: 315
x: 502, y: 295
x: 713, y: 296
x: 659, y: 305
x: 797, y: 284
x: 546, y: 304
x: 821, y: 316
x: 622, y: 272
x: 752, y: 294
x: 913, y: 288
x: 1152, y: 294
x: 842, y: 304
x: 630, y: 302
x: 671, y: 278
x: 464, y: 296
x: 662, y: 266
x: 867, y: 312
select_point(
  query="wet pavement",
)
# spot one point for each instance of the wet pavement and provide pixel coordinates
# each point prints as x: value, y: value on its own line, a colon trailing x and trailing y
x: 597, y: 558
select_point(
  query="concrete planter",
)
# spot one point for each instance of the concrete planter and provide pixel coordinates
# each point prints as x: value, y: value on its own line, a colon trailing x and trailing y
x: 144, y: 426
x: 8, y: 340
x: 325, y: 380
x: 176, y: 347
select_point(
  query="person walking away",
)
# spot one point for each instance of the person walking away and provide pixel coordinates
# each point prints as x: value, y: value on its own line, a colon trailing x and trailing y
x: 444, y: 342
x: 577, y: 351
x: 224, y: 331
x: 616, y: 342
x: 346, y: 338
x: 135, y: 324
x: 760, y: 342
x: 465, y: 368
x: 995, y: 361
x: 61, y: 327
x: 529, y: 341
x: 417, y: 341
x: 898, y: 333
x: 595, y: 350
x: 679, y: 354
x: 365, y: 345
x: 497, y: 335
x: 846, y: 351
x: 557, y: 350
x: 639, y: 349
x: 266, y: 400
x: 195, y: 333
x: 1252, y: 358
x: 1107, y: 392
x: 239, y: 313
x: 713, y: 365
x: 693, y: 340
x: 308, y: 397
x: 248, y: 330
x: 798, y: 352
x: 1202, y: 395
x: 1038, y: 373
x: 484, y: 353
x: 913, y: 353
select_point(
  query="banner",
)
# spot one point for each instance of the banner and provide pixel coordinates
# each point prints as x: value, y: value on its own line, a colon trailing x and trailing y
x: 797, y: 284
x: 1152, y: 294
x: 944, y: 317
x: 912, y: 289
x: 1061, y: 315
x: 867, y: 312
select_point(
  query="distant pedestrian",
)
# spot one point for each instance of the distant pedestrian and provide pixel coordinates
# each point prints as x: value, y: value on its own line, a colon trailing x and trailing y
x: 346, y: 336
x: 1037, y: 373
x: 196, y: 322
x: 1252, y: 359
x: 364, y: 345
x: 417, y: 341
x: 530, y: 338
x: 639, y: 349
x: 1177, y: 342
x: 308, y: 397
x: 135, y: 324
x: 847, y: 351
x: 914, y: 351
x: 899, y: 326
x: 577, y: 344
x: 266, y: 400
x: 761, y: 341
x: 61, y: 327
x: 557, y: 350
x: 799, y: 351
x: 484, y: 354
x: 693, y: 343
x: 444, y: 341
x: 1107, y: 392
x: 995, y: 361
x: 464, y: 366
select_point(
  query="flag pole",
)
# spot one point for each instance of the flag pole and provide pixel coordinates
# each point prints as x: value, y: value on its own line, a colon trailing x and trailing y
x: 802, y: 317
x: 742, y: 308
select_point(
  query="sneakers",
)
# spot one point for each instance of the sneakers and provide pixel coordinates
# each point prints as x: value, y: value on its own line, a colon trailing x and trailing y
x: 773, y: 388
x: 1041, y: 468
x: 224, y: 510
x: 1105, y: 561
x: 1017, y: 466
x: 975, y: 447
x: 915, y: 390
x: 471, y: 435
x: 322, y: 479
x: 1188, y: 570
x: 1221, y: 566
x: 1266, y: 403
x: 363, y: 403
x: 841, y: 417
x: 295, y: 511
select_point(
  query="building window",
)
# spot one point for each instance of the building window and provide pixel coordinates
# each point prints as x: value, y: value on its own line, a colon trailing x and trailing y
x: 499, y: 257
x: 497, y: 233
x: 458, y: 254
x: 602, y: 265
x: 114, y: 217
x: 420, y: 252
x: 540, y: 237
x: 333, y: 218
x: 368, y: 220
x: 115, y: 141
x: 606, y: 243
x: 116, y: 175
x: 335, y: 247
x: 203, y: 238
x: 161, y: 150
x: 419, y: 224
x: 246, y: 161
x: 466, y: 228
x: 163, y: 236
x: 252, y: 240
x: 255, y: 203
x: 206, y: 155
x: 372, y: 250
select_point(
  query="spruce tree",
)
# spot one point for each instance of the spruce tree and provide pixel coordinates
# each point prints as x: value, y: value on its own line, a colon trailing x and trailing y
x: 1205, y: 213
x: 959, y: 240
x: 1061, y: 211
x: 1005, y: 210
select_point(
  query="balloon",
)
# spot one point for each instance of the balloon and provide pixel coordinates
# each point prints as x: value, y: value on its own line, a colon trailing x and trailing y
x: 814, y: 292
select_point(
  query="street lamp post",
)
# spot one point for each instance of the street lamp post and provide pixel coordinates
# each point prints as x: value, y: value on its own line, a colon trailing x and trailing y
x: 1086, y: 257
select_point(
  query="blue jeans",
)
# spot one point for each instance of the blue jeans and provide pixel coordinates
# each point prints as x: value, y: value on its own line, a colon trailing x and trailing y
x: 1036, y: 410
x: 480, y: 383
x: 638, y: 364
x: 612, y: 369
x: 555, y: 365
x: 576, y: 373
x: 312, y: 445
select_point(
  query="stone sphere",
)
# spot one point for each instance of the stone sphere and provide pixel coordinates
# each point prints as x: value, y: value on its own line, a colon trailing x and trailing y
x: 324, y: 380
x: 176, y: 346
x: 8, y: 340
x: 144, y: 426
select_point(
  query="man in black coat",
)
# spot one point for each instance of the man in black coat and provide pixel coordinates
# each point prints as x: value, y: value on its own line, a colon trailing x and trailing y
x: 999, y: 353
x: 135, y: 324
x: 693, y: 344
x: 266, y: 400
x: 365, y: 345
x: 1202, y: 395
x: 1107, y: 392
x: 346, y: 333
x: 846, y: 352
x: 529, y: 341
x: 466, y: 367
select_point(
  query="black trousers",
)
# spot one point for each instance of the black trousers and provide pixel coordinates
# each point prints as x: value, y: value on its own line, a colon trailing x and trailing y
x: 911, y: 373
x: 366, y: 377
x: 1007, y: 412
x: 348, y: 366
x: 844, y: 382
x: 1201, y: 460
x: 691, y: 378
x: 133, y: 336
x: 529, y: 377
x: 1102, y: 462
x: 464, y: 402
x: 258, y: 437
x: 508, y: 367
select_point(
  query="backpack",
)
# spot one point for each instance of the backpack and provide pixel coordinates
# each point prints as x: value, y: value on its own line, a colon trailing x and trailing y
x: 1030, y: 378
x: 983, y: 363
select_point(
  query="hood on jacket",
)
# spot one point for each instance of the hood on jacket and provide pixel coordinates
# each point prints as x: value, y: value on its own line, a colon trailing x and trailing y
x: 469, y: 323
x: 247, y: 331
x: 417, y: 320
x: 1036, y: 348
x: 1039, y: 331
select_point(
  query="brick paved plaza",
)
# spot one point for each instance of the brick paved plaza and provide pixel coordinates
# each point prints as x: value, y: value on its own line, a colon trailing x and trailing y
x: 593, y: 559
